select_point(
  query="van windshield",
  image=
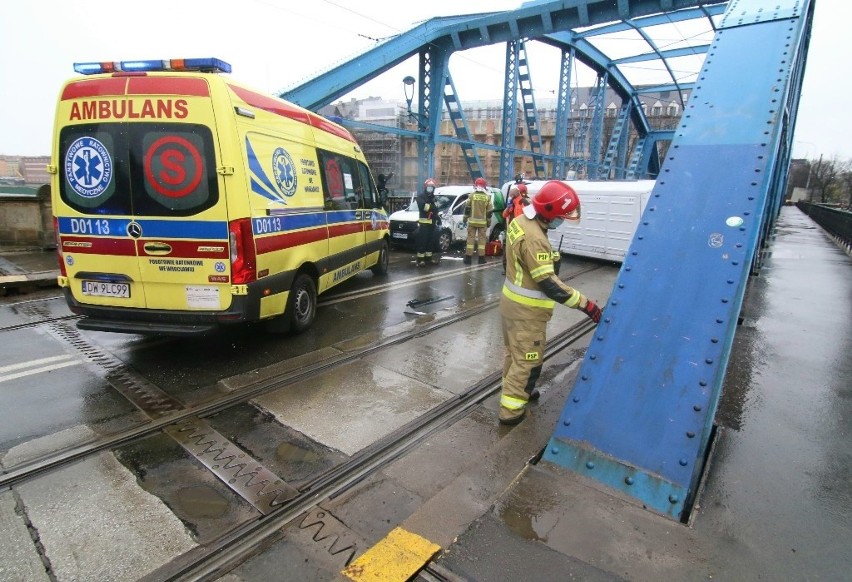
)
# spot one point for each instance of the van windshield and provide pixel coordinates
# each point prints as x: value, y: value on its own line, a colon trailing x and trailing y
x: 442, y: 202
x: 138, y: 169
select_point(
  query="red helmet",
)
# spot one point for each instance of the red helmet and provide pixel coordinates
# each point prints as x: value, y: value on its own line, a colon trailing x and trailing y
x: 480, y: 184
x: 429, y: 186
x: 556, y: 200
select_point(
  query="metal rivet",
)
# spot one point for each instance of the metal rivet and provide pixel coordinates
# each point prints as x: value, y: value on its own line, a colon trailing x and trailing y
x: 628, y: 480
x: 702, y: 382
x: 600, y: 338
x: 627, y: 268
x: 683, y: 462
x: 621, y: 285
x: 709, y: 360
x: 673, y: 499
x: 719, y: 320
x: 690, y: 435
x: 584, y: 377
x: 735, y: 263
x: 606, y: 320
x: 554, y: 450
x: 613, y: 302
x: 714, y: 340
x: 590, y: 465
x: 724, y: 300
x: 576, y: 399
x: 567, y: 422
x: 593, y: 357
x: 697, y: 408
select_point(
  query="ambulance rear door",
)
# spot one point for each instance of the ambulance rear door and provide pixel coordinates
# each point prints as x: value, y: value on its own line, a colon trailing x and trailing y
x: 146, y: 221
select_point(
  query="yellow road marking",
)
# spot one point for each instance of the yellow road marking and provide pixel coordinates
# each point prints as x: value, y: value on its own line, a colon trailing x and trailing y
x: 396, y: 558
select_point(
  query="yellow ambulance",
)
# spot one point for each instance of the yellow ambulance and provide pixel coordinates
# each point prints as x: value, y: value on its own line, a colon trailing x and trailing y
x: 184, y: 201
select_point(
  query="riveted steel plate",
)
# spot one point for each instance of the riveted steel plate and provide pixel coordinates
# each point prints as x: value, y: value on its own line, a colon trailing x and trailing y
x: 245, y: 476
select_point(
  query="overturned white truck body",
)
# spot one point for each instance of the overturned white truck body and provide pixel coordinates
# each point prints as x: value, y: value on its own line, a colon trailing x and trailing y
x: 610, y: 213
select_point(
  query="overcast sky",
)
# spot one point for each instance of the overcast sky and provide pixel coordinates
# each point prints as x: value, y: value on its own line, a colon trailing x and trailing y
x: 273, y: 44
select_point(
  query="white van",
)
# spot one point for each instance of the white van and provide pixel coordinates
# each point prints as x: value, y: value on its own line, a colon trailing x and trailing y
x: 451, y: 202
x: 610, y: 213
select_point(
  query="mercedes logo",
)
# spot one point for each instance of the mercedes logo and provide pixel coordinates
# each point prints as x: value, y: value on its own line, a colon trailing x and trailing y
x: 134, y: 229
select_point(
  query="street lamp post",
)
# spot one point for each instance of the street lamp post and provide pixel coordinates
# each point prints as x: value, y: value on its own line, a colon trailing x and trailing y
x: 424, y: 149
x: 408, y: 88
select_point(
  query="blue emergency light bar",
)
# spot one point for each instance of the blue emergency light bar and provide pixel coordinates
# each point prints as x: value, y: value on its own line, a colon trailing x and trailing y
x: 208, y: 65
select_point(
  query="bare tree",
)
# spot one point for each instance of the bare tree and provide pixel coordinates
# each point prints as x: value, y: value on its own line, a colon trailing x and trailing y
x: 846, y: 180
x: 823, y: 178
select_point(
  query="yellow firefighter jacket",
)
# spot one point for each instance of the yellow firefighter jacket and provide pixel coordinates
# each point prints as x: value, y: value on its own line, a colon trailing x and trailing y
x: 478, y: 210
x: 529, y: 261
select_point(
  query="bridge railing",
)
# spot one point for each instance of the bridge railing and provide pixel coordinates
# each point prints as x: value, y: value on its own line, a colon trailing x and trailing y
x: 838, y: 223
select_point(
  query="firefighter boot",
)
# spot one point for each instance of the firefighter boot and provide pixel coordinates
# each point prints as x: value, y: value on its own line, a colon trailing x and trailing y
x: 466, y: 260
x: 515, y: 420
x: 481, y: 260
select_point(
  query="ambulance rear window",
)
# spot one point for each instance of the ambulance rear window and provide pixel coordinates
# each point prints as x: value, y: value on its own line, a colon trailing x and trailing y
x: 138, y: 169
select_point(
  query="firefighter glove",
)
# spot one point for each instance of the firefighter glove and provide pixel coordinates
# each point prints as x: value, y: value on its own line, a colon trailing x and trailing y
x: 592, y: 310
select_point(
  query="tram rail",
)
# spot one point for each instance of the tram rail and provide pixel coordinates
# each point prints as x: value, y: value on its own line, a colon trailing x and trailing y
x: 214, y: 560
x: 161, y: 419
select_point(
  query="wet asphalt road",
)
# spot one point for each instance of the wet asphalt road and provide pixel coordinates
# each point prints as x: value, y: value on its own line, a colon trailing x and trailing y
x: 777, y: 502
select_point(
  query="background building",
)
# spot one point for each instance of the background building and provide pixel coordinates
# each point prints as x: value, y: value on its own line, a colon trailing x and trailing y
x: 390, y: 153
x: 24, y: 170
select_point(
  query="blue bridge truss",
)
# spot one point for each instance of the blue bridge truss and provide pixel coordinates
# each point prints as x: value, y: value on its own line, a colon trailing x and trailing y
x: 640, y: 416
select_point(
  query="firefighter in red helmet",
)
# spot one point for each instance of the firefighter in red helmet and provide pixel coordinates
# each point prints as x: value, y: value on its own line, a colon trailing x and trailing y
x: 477, y: 216
x: 530, y: 291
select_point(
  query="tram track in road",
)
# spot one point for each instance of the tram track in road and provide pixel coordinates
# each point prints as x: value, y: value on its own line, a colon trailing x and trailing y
x: 215, y: 559
x: 165, y: 411
x: 332, y: 299
x: 299, y: 488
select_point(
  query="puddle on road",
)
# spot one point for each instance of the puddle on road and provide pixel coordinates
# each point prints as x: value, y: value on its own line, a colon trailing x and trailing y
x: 292, y: 453
x: 532, y: 516
x: 201, y: 501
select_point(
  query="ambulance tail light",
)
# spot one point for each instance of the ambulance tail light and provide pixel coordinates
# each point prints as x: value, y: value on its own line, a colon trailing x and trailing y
x: 207, y: 65
x: 62, y: 270
x: 243, y: 257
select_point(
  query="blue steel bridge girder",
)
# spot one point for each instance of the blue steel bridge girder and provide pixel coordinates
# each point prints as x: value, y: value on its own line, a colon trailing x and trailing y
x: 530, y: 110
x: 563, y: 114
x: 538, y: 20
x: 640, y: 416
x: 510, y: 112
x: 599, y: 104
x: 462, y: 130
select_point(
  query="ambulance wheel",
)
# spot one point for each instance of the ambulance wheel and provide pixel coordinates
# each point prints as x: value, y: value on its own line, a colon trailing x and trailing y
x: 302, y: 303
x: 445, y: 239
x: 381, y: 267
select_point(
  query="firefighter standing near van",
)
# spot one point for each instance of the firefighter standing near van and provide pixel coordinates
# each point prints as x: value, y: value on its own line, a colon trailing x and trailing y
x: 518, y: 199
x: 530, y: 291
x: 477, y: 216
x: 426, y: 224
